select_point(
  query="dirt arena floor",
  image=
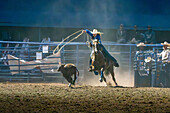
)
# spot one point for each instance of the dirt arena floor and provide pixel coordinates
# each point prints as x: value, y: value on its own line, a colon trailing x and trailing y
x: 55, y: 97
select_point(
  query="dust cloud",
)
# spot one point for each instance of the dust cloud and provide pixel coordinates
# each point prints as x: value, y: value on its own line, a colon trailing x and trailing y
x: 122, y: 77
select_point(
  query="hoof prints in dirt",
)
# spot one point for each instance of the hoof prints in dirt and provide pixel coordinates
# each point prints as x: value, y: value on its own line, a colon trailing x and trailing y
x: 59, y: 98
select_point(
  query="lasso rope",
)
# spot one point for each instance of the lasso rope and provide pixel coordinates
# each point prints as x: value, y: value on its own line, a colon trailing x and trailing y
x: 57, y: 48
x: 87, y: 42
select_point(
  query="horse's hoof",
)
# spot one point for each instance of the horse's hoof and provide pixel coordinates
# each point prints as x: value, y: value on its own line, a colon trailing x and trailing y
x: 101, y: 80
x: 90, y: 70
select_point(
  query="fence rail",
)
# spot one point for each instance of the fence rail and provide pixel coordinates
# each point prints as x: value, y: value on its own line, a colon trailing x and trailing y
x: 75, y: 52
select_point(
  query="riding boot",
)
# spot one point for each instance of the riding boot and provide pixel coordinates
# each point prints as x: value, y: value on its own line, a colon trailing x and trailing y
x: 90, y: 67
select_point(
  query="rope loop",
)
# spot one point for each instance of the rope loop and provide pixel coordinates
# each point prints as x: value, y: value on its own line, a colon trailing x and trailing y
x: 57, y: 48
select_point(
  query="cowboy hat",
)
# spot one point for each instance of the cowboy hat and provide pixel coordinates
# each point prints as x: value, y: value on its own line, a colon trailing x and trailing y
x: 148, y: 59
x: 140, y: 44
x: 165, y: 43
x: 96, y: 32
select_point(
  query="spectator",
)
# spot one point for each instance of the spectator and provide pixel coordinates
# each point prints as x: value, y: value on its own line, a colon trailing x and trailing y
x: 136, y: 37
x: 44, y: 40
x: 25, y: 46
x: 165, y: 54
x: 1, y: 43
x: 141, y: 46
x: 149, y: 36
x: 121, y: 35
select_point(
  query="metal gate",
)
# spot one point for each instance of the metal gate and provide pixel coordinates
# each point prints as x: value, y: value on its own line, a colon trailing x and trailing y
x: 75, y: 52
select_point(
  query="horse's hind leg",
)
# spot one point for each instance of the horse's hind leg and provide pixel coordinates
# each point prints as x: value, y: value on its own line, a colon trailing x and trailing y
x: 113, y: 75
x: 104, y: 80
x: 102, y: 77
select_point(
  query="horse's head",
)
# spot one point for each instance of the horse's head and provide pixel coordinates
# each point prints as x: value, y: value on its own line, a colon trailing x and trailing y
x: 97, y: 56
x: 96, y: 45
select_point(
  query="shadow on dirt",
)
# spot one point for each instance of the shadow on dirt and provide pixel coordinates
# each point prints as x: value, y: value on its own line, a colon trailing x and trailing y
x: 84, y: 87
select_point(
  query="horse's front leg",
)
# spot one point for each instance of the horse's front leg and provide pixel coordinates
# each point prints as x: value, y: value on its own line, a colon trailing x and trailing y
x: 92, y: 65
x: 101, y: 75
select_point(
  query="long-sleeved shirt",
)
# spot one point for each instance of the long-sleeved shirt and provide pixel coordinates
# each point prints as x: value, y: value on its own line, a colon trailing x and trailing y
x: 137, y: 36
x: 165, y: 55
x: 96, y: 37
x: 150, y: 36
x: 121, y: 36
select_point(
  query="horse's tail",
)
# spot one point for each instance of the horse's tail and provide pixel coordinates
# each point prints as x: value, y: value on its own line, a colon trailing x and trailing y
x: 116, y: 64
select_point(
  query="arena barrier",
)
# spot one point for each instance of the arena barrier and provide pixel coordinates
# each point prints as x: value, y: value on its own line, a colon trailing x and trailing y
x: 149, y: 70
x: 35, y: 60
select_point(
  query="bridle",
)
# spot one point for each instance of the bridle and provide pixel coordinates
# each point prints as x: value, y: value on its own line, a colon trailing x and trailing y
x: 95, y: 45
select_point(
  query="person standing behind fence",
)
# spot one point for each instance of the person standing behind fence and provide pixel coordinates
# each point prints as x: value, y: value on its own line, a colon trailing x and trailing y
x: 25, y: 46
x: 0, y: 47
x: 121, y: 35
x: 149, y: 36
x: 45, y: 40
x: 135, y: 36
x: 165, y: 54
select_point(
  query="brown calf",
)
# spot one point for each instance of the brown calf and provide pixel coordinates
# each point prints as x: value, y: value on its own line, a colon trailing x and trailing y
x: 67, y: 71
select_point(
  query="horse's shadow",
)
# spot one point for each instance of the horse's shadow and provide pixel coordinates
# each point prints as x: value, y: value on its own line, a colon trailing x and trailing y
x: 119, y: 87
x: 82, y: 87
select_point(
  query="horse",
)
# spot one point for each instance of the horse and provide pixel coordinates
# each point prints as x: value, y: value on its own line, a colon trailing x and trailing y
x: 101, y: 63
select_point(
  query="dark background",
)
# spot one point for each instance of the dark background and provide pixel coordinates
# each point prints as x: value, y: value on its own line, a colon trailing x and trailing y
x: 38, y: 19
